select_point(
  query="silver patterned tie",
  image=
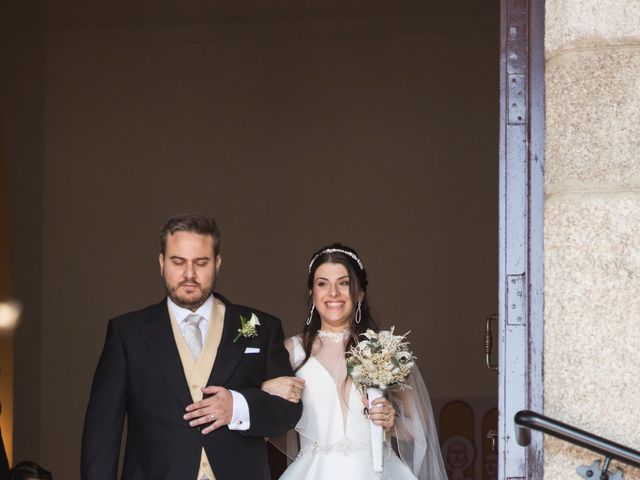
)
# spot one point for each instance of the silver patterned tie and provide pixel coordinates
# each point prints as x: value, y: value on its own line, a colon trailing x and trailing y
x: 193, y: 335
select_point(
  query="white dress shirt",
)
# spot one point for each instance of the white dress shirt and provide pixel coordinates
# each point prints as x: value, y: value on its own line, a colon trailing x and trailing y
x: 240, y: 419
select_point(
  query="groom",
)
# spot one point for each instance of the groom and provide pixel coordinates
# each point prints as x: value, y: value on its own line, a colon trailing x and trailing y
x: 157, y: 361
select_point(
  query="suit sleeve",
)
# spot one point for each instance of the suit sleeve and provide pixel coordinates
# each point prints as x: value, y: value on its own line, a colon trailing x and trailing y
x: 105, y: 413
x: 272, y: 415
x: 4, y: 461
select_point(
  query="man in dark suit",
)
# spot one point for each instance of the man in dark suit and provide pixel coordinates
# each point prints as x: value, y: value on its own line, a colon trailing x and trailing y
x: 187, y: 374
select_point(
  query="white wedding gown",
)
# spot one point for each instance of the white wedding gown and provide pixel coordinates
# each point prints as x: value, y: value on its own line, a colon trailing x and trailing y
x: 334, y: 433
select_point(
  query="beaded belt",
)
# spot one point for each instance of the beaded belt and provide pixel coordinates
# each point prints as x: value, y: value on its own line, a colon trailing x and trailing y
x: 346, y: 447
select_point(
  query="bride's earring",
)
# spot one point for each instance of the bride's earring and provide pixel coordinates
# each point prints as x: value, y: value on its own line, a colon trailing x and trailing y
x: 359, y: 313
x: 313, y: 307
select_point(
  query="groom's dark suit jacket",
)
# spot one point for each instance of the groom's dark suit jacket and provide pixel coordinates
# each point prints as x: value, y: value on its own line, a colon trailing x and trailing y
x: 4, y: 462
x: 140, y: 376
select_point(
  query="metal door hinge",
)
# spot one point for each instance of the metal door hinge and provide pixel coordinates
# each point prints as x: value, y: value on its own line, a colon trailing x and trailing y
x: 516, y: 300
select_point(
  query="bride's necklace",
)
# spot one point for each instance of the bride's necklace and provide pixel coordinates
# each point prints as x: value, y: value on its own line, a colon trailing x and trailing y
x: 334, y: 336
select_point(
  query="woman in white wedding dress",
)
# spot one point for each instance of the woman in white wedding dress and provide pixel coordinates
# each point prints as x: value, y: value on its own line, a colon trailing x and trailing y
x: 334, y: 432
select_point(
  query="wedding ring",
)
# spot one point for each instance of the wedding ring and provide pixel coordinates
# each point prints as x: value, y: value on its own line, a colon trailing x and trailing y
x: 386, y: 417
x: 213, y: 419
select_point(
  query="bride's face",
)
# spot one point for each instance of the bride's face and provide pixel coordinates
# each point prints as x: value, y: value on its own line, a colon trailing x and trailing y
x: 331, y: 296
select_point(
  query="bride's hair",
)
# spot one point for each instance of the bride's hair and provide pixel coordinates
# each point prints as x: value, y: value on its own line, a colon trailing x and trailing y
x: 338, y: 253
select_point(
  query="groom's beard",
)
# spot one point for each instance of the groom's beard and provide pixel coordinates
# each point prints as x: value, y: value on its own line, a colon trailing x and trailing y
x: 191, y: 301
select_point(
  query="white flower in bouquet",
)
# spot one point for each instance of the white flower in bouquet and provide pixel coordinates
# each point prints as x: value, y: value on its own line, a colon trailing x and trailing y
x: 383, y: 359
x: 405, y: 358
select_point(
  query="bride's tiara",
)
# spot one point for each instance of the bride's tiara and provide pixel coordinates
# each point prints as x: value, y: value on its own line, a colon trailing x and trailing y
x: 336, y: 250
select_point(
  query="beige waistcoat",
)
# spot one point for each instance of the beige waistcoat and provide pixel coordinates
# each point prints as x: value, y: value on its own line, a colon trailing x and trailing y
x: 197, y: 374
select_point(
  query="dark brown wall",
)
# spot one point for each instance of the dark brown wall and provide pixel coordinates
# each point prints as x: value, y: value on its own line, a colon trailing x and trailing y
x: 380, y: 134
x: 21, y: 127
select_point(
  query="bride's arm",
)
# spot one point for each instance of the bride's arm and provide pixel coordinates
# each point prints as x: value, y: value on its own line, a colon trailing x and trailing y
x: 289, y: 388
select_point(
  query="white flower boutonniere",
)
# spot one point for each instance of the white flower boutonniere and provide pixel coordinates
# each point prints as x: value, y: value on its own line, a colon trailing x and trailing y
x: 248, y: 327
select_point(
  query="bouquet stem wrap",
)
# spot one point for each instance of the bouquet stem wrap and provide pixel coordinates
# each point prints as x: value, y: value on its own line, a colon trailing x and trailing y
x: 377, y: 433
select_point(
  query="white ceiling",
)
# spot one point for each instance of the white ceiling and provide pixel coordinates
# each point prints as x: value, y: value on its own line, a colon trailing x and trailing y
x: 96, y: 13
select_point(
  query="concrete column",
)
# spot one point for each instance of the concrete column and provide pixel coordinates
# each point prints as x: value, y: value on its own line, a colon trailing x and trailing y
x: 592, y: 225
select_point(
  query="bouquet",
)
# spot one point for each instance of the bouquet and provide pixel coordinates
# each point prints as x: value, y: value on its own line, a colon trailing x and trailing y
x: 379, y: 361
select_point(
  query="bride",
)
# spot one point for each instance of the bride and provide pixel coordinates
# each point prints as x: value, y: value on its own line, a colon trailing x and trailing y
x: 334, y: 432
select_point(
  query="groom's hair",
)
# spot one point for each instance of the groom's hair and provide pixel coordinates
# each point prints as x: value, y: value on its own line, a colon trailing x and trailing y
x: 194, y: 223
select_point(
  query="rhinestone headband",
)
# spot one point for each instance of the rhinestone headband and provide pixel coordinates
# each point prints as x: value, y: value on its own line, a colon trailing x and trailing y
x: 336, y: 250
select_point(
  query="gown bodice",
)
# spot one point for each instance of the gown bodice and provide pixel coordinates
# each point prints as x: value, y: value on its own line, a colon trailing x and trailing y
x: 332, y: 418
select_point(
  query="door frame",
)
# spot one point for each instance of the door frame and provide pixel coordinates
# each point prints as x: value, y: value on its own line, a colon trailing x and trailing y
x: 521, y: 253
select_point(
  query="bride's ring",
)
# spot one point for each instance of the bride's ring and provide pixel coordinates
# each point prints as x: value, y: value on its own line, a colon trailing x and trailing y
x: 212, y: 418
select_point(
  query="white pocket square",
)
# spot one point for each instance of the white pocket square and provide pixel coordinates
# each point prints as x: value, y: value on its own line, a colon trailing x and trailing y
x: 251, y: 350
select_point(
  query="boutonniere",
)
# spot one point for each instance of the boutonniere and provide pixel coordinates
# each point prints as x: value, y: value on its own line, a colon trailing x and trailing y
x: 248, y: 327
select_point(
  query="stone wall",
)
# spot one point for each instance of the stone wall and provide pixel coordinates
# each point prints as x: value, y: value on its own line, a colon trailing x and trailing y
x: 592, y: 225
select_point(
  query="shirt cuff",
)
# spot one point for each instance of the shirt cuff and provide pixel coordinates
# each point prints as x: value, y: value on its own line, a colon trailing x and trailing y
x: 240, y: 419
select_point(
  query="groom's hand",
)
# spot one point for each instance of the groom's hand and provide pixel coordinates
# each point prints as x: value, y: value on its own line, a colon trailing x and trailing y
x: 214, y: 411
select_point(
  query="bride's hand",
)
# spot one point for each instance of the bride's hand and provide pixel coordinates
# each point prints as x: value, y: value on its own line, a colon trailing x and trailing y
x: 289, y: 388
x: 382, y: 413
